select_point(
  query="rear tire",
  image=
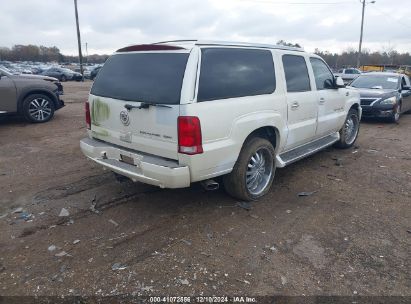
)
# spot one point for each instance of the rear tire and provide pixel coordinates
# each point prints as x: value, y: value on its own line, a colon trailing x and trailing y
x: 349, y: 131
x: 253, y: 173
x: 38, y: 108
x: 63, y: 78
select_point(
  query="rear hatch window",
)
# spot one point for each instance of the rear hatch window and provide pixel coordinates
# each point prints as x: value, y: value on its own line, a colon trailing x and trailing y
x: 142, y: 77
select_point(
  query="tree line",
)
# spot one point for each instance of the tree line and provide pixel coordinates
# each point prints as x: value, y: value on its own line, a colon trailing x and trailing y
x: 347, y: 58
x: 43, y: 54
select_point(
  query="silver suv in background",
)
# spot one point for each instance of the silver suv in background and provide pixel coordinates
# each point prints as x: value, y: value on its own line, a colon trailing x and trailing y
x: 33, y: 96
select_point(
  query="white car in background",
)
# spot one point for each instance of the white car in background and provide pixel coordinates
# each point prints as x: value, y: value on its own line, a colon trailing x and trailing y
x: 348, y: 75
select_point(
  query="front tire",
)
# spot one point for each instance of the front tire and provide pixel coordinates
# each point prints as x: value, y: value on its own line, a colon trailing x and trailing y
x: 349, y: 131
x: 253, y: 173
x: 395, y: 118
x: 63, y: 78
x: 38, y: 108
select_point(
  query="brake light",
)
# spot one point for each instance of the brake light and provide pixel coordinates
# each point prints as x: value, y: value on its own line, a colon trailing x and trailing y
x: 189, y: 135
x: 88, y: 118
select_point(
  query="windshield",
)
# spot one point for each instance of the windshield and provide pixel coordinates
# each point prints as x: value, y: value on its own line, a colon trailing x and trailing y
x: 384, y: 82
x: 144, y: 77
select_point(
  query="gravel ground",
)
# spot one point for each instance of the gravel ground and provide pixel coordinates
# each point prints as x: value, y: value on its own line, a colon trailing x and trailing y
x: 351, y: 237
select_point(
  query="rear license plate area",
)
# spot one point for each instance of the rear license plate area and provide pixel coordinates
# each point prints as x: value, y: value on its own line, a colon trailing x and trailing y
x: 127, y: 159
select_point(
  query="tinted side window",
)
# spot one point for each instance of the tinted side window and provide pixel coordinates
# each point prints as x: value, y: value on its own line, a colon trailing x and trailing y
x: 230, y: 72
x: 349, y: 71
x: 324, y: 79
x: 296, y: 73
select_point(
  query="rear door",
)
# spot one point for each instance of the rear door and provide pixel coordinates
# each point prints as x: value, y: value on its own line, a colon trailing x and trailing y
x: 301, y: 101
x: 135, y: 101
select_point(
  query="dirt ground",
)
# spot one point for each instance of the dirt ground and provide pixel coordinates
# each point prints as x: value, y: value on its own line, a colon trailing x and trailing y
x: 351, y: 237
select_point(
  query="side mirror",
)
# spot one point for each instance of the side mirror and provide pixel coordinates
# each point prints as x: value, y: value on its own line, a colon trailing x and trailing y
x: 339, y: 83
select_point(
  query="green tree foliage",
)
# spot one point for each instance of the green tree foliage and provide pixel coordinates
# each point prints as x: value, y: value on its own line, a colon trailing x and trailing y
x: 282, y: 42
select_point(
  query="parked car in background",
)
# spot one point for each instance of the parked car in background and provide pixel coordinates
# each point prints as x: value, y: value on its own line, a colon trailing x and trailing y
x: 194, y: 111
x: 383, y: 94
x: 32, y: 96
x: 2, y: 67
x: 348, y: 74
x: 86, y: 72
x: 62, y: 74
x: 94, y: 72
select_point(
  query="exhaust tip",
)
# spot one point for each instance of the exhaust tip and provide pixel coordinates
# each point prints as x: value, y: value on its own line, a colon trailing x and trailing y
x: 210, y: 185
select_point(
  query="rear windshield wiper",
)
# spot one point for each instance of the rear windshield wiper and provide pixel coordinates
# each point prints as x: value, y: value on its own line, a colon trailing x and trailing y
x: 145, y: 105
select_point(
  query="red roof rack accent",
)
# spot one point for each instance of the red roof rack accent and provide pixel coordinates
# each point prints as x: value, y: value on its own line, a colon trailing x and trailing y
x: 149, y: 47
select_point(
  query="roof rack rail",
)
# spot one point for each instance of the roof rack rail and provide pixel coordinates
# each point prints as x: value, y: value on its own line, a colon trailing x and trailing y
x: 248, y: 44
x: 242, y: 44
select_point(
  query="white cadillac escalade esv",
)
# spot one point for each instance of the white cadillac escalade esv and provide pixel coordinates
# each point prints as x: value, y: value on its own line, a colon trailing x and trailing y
x: 173, y: 113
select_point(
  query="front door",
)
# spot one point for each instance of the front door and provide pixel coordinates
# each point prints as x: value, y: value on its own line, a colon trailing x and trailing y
x: 8, y: 101
x: 301, y: 101
x: 330, y: 100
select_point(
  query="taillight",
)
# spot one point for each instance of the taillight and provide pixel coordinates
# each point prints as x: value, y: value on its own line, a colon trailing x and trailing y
x: 88, y: 118
x: 189, y: 135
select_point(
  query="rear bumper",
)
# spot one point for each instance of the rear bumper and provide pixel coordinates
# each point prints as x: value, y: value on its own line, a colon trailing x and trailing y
x: 147, y: 169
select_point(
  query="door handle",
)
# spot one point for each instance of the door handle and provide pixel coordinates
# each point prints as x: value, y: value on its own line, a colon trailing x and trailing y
x: 295, y: 105
x: 322, y: 100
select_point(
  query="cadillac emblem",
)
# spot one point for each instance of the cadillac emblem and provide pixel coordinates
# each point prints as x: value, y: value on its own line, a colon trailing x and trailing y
x: 125, y: 119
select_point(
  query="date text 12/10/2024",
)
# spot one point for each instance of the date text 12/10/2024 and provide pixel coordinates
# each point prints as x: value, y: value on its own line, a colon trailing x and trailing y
x: 203, y: 299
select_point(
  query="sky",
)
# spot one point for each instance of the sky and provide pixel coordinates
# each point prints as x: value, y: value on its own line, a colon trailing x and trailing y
x: 107, y: 25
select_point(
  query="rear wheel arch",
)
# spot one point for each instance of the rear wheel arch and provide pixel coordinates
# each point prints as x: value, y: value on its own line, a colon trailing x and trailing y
x: 267, y: 132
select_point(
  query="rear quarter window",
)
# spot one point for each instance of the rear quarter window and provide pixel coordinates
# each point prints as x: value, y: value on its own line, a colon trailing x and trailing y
x: 233, y: 72
x: 296, y: 73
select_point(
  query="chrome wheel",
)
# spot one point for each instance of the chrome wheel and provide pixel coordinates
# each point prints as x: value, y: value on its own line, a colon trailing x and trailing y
x: 40, y: 109
x: 351, y: 129
x: 259, y: 171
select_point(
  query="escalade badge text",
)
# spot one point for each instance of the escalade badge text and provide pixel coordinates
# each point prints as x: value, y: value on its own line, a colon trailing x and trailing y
x: 125, y: 119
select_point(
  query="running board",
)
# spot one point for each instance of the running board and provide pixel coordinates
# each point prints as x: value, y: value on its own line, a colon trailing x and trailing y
x: 298, y: 153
